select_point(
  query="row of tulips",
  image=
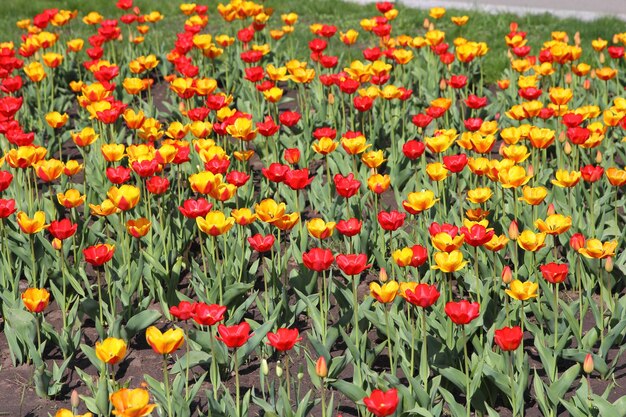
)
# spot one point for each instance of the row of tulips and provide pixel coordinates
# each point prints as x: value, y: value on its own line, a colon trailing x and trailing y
x: 230, y: 207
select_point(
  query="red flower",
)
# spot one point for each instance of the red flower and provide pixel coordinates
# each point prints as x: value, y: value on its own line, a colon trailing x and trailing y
x: 208, y: 314
x: 349, y: 86
x: 145, y: 168
x: 423, y: 295
x: 363, y: 103
x: 346, y: 186
x: 382, y: 404
x: 435, y: 112
x: 261, y: 243
x: 530, y: 93
x: 577, y: 241
x: 98, y: 255
x: 7, y: 207
x: 5, y: 180
x: 352, y: 264
x: 474, y: 102
x: 572, y: 119
x: 436, y: 228
x: 508, y: 338
x: 455, y: 163
x: 591, y: 173
x: 195, y: 208
x: 234, y: 336
x: 254, y: 74
x: 284, y: 339
x: 318, y: 259
x: 478, y: 235
x: 554, y: 273
x: 292, y: 155
x: 413, y: 149
x: 157, y: 185
x: 289, y: 118
x: 420, y: 255
x: 183, y: 311
x: 297, y: 179
x: 62, y: 229
x: 324, y: 132
x: 421, y: 120
x: 350, y: 227
x: 372, y: 54
x: 237, y: 178
x: 578, y: 135
x: 462, y: 312
x: 473, y: 124
x: 384, y: 6
x: 317, y: 45
x: 275, y: 172
x: 392, y: 220
x: 118, y: 175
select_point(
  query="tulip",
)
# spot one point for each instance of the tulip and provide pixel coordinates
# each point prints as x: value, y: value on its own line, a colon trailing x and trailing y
x: 391, y: 220
x: 234, y: 336
x: 555, y: 224
x: 215, y: 223
x: 386, y: 293
x: 183, y: 311
x: 382, y: 404
x: 164, y: 343
x: 34, y: 225
x: 318, y: 259
x: 195, y: 208
x: 462, y: 312
x: 111, y: 350
x: 125, y: 197
x: 62, y: 229
x: 530, y: 241
x: 261, y: 243
x: 346, y: 186
x: 508, y: 338
x: 208, y: 314
x: 596, y: 249
x: 522, y: 290
x: 449, y: 262
x: 131, y: 403
x: 320, y: 229
x: 36, y: 299
x: 423, y: 295
x: 350, y: 227
x: 138, y: 228
x: 554, y: 273
x: 284, y: 339
x: 419, y: 201
x: 269, y: 210
x: 243, y: 216
x: 64, y: 412
x: 98, y: 255
x: 352, y: 264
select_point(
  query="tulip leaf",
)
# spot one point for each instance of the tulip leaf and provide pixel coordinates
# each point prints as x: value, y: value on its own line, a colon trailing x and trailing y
x: 139, y: 322
x: 350, y: 390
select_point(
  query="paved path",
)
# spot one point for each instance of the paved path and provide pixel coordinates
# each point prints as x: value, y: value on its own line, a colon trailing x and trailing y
x: 581, y: 9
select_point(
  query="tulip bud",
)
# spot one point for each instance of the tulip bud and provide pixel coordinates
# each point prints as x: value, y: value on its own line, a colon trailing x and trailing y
x: 587, y: 84
x: 331, y: 98
x: 551, y: 209
x: 501, y: 149
x: 602, y: 59
x: 577, y: 38
x: 300, y: 376
x: 442, y: 84
x: 426, y: 23
x: 608, y: 264
x: 530, y: 171
x: 513, y: 230
x: 598, y: 157
x: 567, y: 148
x: 74, y: 399
x: 383, y: 275
x: 279, y: 370
x: 320, y: 367
x: 57, y: 244
x: 265, y: 369
x: 561, y: 137
x: 507, y: 275
x: 577, y: 241
x: 568, y: 78
x: 588, y: 364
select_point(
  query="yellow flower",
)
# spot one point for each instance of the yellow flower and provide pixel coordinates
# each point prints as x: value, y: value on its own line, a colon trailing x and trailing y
x: 270, y: 211
x: 419, y: 201
x: 111, y: 350
x: 56, y: 120
x: 373, y: 159
x: 243, y: 216
x: 164, y: 343
x: 242, y: 129
x: 449, y: 262
x: 287, y: 222
x: 436, y: 171
x: 320, y: 229
x: 355, y: 145
x: 71, y: 198
x: 324, y: 146
x: 522, y: 290
x: 479, y: 195
x: 446, y: 243
x: 125, y: 197
x: 34, y: 225
x: 513, y: 176
x: 531, y: 241
x: 496, y: 243
x: 385, y: 293
x: 533, y: 195
x: 437, y: 12
x: 596, y: 249
x: 378, y: 183
x: 402, y: 257
x: 131, y: 402
x: 517, y: 153
x: 215, y: 223
x: 566, y: 179
x: 555, y: 224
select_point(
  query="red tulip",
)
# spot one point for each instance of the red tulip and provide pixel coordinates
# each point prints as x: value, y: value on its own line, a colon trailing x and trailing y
x: 413, y: 149
x: 473, y: 124
x: 157, y: 185
x: 391, y: 220
x: 478, y: 235
x: 98, y: 255
x: 346, y: 186
x: 289, y: 118
x: 318, y: 259
x: 420, y: 255
x: 382, y: 404
x: 267, y: 127
x: 591, y: 173
x: 234, y: 336
x: 462, y: 312
x: 578, y: 135
x: 572, y: 119
x: 423, y: 295
x: 7, y: 207
x: 350, y: 227
x: 237, y: 178
x: 508, y: 338
x: 554, y: 273
x: 455, y: 163
x: 474, y: 102
x: 183, y: 311
x: 324, y: 132
x: 118, y: 175
x: 62, y: 229
x: 254, y: 74
x: 352, y: 264
x: 436, y: 228
x: 5, y: 180
x: 292, y: 155
x: 261, y: 243
x: 208, y: 314
x: 297, y: 179
x: 275, y: 172
x: 577, y: 241
x: 362, y: 103
x: 457, y: 81
x: 284, y: 339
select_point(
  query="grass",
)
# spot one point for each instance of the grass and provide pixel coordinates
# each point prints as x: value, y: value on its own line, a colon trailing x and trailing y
x: 490, y: 28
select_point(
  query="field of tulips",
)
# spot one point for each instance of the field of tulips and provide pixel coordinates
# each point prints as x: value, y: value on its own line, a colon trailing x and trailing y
x: 235, y: 221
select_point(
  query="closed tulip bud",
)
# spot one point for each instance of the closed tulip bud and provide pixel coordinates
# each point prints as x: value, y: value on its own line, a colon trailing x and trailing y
x: 567, y: 148
x: 331, y: 99
x: 551, y: 209
x: 513, y: 230
x: 57, y: 243
x: 383, y: 275
x: 321, y: 369
x: 598, y: 157
x: 588, y: 364
x: 74, y: 399
x: 279, y: 370
x: 608, y: 265
x: 507, y: 275
x: 300, y: 376
x: 265, y: 369
x: 530, y: 170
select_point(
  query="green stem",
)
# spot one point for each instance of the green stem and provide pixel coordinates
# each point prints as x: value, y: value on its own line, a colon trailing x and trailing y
x: 166, y: 382
x: 468, y: 399
x: 389, y: 351
x: 237, y: 403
